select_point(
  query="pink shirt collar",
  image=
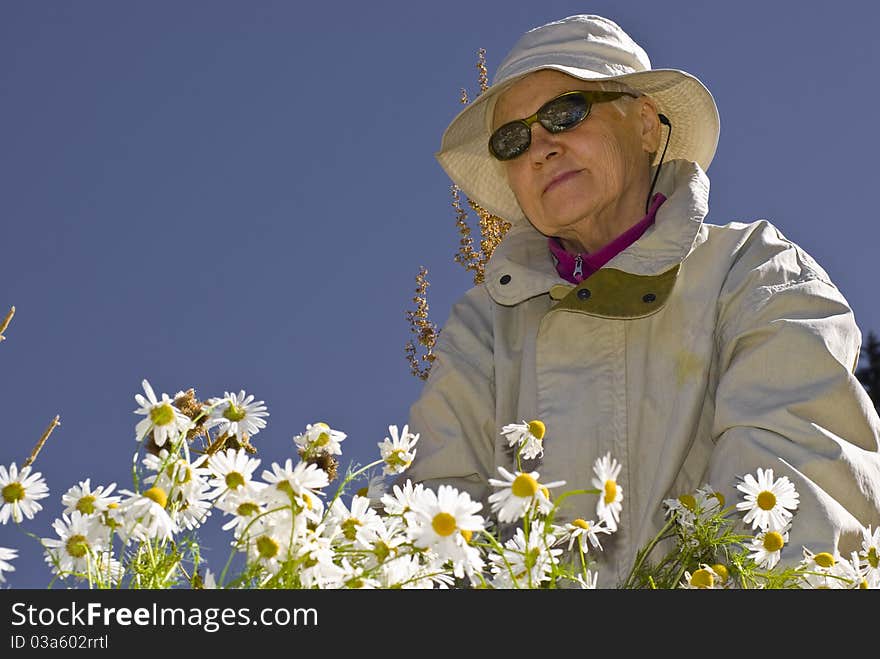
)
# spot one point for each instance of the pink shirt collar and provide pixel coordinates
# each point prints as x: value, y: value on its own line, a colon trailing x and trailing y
x: 577, y: 267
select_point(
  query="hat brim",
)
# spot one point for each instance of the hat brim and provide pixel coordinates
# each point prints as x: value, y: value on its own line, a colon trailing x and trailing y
x: 464, y: 152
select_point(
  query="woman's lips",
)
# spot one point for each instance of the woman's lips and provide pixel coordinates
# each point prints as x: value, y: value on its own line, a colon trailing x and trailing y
x: 561, y: 178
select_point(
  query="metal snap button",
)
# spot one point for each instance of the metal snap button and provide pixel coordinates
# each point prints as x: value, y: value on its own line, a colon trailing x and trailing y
x: 584, y: 294
x: 649, y: 297
x: 505, y: 279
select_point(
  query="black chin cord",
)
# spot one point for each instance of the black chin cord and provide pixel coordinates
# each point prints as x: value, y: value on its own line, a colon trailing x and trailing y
x: 665, y: 121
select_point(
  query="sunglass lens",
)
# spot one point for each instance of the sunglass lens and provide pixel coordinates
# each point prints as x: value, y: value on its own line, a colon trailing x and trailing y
x: 564, y: 112
x: 510, y: 140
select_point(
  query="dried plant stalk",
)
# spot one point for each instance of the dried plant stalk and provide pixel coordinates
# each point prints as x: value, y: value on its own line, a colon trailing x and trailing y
x: 424, y: 330
x: 41, y: 441
x: 5, y: 323
x: 492, y: 231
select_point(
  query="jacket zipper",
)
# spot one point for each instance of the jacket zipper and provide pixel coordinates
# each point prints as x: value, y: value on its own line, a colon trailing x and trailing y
x: 578, y: 266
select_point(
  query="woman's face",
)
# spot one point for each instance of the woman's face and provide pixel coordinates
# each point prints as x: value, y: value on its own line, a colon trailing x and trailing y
x: 568, y: 184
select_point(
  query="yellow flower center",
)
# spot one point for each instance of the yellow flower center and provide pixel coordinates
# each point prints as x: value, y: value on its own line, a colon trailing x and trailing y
x: 824, y: 559
x: 766, y: 500
x: 873, y: 558
x: 721, y: 571
x: 158, y: 495
x: 703, y: 578
x: 234, y: 480
x: 247, y: 509
x: 86, y: 504
x: 610, y: 491
x: 349, y: 527
x: 162, y: 415
x: 443, y: 524
x: 267, y: 547
x: 363, y: 491
x: 397, y: 458
x: 234, y: 413
x: 179, y: 472
x: 773, y: 541
x: 688, y: 501
x: 720, y: 498
x: 467, y: 535
x: 77, y: 546
x: 581, y: 523
x: 381, y: 551
x: 537, y: 429
x: 524, y: 486
x: 13, y: 492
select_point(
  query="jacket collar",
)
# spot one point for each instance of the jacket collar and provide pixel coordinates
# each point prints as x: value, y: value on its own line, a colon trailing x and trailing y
x: 521, y: 266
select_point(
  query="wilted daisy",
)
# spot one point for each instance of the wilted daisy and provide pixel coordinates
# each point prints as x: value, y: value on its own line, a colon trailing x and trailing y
x: 704, y: 578
x: 237, y: 414
x: 73, y: 552
x: 7, y: 555
x: 161, y: 417
x: 609, y: 505
x: 769, y: 503
x: 527, y: 436
x: 766, y: 547
x: 319, y: 439
x: 20, y: 492
x: 445, y: 522
x: 89, y: 501
x: 584, y: 533
x: 524, y: 563
x: 518, y: 493
x: 398, y: 451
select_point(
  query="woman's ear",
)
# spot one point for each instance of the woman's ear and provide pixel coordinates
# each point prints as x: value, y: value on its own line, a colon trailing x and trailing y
x: 650, y: 122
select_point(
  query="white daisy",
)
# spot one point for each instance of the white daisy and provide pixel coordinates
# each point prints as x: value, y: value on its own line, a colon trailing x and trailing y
x: 400, y: 499
x: 524, y: 564
x: 74, y: 552
x: 769, y: 504
x: 870, y: 553
x: 609, y: 505
x: 687, y: 508
x: 232, y: 471
x: 361, y: 524
x: 585, y: 533
x: 766, y: 547
x: 445, y: 522
x: 300, y: 484
x: 237, y: 414
x: 161, y: 417
x: 824, y: 570
x: 244, y: 510
x: 527, y: 437
x: 319, y: 439
x: 185, y: 484
x: 19, y: 492
x: 89, y: 501
x: 144, y: 516
x: 7, y: 555
x: 519, y: 492
x: 588, y: 581
x: 398, y: 451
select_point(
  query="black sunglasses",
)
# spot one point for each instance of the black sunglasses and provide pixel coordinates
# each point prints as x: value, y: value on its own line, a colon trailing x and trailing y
x: 556, y: 115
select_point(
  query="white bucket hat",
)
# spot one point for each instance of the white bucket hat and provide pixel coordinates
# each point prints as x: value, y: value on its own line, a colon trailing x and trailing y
x: 587, y: 47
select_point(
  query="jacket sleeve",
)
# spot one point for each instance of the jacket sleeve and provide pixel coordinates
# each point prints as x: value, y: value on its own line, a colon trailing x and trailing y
x: 455, y: 412
x: 788, y: 399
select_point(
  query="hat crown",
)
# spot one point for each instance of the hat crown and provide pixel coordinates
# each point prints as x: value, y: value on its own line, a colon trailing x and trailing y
x: 584, y: 41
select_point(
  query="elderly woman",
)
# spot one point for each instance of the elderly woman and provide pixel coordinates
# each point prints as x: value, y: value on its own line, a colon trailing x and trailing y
x: 691, y: 353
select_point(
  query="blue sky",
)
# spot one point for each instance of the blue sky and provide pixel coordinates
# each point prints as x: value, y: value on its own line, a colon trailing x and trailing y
x: 238, y: 195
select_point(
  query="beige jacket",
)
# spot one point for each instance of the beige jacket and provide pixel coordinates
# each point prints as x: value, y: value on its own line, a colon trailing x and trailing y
x: 699, y: 354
